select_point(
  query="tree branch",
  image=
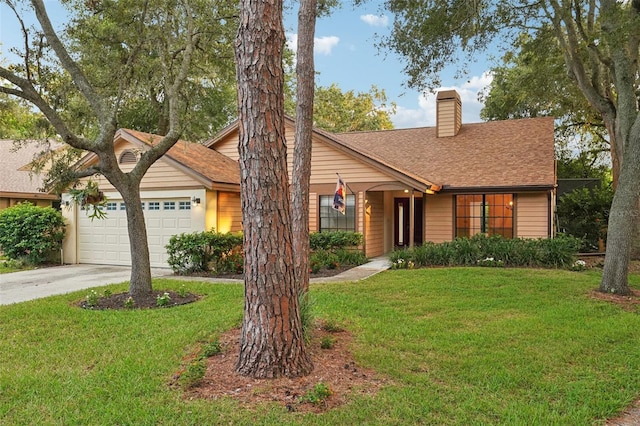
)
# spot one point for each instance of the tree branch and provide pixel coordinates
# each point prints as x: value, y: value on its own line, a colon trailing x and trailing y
x: 25, y: 37
x: 29, y: 93
x: 98, y: 106
x: 567, y: 37
x: 173, y: 94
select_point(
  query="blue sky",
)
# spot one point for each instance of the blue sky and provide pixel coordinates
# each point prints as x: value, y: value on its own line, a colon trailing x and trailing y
x: 345, y: 54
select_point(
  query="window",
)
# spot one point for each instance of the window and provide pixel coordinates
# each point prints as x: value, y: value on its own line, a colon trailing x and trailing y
x: 153, y: 205
x: 333, y: 220
x: 184, y: 205
x: 142, y: 205
x: 123, y: 206
x: 112, y: 206
x: 169, y: 205
x: 491, y: 214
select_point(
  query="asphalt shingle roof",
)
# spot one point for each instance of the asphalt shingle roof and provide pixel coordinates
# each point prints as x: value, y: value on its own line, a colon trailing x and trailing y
x: 207, y: 162
x: 12, y: 179
x: 491, y: 154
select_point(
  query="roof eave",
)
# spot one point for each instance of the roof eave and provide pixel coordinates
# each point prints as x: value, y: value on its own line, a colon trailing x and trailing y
x: 506, y: 188
x: 29, y: 195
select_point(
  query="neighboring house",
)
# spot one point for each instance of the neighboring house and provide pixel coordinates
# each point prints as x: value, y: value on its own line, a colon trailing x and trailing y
x: 404, y: 187
x: 191, y: 188
x: 17, y: 183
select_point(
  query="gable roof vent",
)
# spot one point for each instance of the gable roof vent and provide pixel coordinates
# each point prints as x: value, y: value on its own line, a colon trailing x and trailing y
x: 128, y: 157
x: 448, y: 113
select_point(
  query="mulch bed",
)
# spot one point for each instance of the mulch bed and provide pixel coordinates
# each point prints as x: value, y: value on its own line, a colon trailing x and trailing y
x: 334, y: 367
x: 118, y: 301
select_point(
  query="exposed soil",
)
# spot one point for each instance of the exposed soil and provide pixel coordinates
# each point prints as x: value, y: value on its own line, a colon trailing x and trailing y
x: 334, y: 367
x: 628, y: 303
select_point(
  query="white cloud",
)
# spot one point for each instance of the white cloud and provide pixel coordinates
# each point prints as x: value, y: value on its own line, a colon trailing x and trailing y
x: 322, y: 45
x: 425, y: 114
x: 292, y: 41
x: 374, y: 20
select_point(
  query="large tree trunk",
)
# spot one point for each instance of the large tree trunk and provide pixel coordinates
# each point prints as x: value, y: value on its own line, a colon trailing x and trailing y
x: 140, y: 282
x: 623, y: 218
x: 301, y: 177
x: 271, y: 343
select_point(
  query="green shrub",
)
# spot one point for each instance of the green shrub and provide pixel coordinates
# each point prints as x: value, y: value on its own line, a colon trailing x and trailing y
x: 193, y: 374
x: 350, y: 256
x: 31, y: 232
x: 334, y: 240
x: 327, y: 342
x: 211, y: 348
x: 324, y: 258
x: 481, y: 250
x: 199, y: 251
x: 584, y: 213
x: 232, y: 263
x: 317, y: 395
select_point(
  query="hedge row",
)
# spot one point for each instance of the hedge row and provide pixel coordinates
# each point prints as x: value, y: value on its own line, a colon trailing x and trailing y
x: 481, y: 250
x: 201, y: 252
x: 205, y: 251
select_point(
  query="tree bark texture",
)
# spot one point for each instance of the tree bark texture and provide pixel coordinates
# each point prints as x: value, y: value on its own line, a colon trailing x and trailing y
x: 140, y: 282
x: 623, y: 219
x: 301, y: 175
x: 271, y: 343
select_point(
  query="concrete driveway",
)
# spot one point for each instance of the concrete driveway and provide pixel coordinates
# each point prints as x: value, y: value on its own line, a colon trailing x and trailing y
x: 28, y: 285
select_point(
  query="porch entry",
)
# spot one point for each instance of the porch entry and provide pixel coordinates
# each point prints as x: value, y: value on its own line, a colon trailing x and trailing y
x: 402, y: 222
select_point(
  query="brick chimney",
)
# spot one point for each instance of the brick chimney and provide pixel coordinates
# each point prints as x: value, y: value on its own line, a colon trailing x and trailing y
x: 448, y: 113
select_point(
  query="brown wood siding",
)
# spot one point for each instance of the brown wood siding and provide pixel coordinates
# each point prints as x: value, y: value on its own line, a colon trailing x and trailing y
x: 325, y: 161
x: 446, y: 118
x: 374, y: 224
x: 532, y: 215
x: 229, y: 146
x: 439, y: 218
x: 161, y: 175
x: 313, y: 212
x: 229, y: 212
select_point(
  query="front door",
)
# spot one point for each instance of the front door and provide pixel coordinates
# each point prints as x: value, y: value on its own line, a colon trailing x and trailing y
x: 402, y: 222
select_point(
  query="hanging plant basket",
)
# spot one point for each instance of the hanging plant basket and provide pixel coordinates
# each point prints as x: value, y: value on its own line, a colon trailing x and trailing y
x: 90, y: 195
x: 93, y: 198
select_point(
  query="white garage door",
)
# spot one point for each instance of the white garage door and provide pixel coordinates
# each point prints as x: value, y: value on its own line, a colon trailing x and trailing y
x: 106, y: 241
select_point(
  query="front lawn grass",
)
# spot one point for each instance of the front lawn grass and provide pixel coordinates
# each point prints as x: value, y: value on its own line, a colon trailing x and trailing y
x: 460, y: 345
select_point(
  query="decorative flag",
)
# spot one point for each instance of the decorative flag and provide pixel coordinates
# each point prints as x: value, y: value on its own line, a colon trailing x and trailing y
x: 339, y: 197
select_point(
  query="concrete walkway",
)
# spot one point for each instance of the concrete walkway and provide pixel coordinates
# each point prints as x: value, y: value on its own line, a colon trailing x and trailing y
x: 375, y: 265
x: 37, y: 283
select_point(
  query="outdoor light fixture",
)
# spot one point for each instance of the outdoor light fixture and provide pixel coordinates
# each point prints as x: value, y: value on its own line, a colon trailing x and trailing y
x: 195, y: 200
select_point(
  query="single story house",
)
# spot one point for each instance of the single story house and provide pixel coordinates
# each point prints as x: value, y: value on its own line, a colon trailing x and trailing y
x: 17, y: 183
x: 404, y: 187
x: 191, y: 188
